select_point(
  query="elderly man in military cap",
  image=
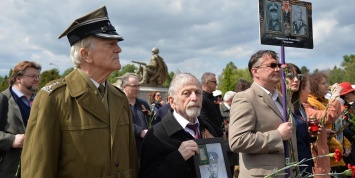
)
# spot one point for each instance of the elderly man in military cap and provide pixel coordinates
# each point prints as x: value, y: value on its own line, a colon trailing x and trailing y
x: 213, y: 166
x: 81, y: 126
x: 274, y: 24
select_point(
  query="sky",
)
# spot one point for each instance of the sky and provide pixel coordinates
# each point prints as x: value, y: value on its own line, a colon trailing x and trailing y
x: 193, y: 36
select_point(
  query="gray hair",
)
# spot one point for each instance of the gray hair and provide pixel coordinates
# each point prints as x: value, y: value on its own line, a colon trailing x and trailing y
x: 228, y: 95
x: 126, y: 77
x: 206, y: 76
x: 88, y: 43
x: 179, y: 80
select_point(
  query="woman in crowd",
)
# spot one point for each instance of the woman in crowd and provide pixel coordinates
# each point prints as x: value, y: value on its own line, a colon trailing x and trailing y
x: 294, y: 83
x: 315, y: 106
x: 156, y: 103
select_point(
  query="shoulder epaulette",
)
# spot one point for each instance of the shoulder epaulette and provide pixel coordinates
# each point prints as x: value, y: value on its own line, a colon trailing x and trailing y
x: 54, y: 85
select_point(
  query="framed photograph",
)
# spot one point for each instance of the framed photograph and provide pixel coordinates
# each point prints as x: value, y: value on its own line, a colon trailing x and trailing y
x: 273, y: 15
x: 286, y: 23
x: 212, y: 160
x: 299, y: 25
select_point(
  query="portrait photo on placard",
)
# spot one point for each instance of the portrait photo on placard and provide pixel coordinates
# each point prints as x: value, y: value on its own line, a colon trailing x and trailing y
x: 299, y: 20
x: 286, y: 23
x: 211, y: 162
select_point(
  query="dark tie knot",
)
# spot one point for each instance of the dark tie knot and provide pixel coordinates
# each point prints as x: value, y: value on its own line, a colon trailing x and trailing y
x: 192, y: 126
x: 101, y: 90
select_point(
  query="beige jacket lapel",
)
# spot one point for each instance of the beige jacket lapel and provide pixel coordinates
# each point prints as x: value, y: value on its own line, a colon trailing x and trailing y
x: 267, y: 99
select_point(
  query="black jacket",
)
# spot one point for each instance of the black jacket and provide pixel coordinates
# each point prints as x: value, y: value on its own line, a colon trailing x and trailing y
x: 160, y: 156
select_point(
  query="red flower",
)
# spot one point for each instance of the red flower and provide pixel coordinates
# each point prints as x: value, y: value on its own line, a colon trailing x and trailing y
x: 337, y: 155
x: 350, y: 111
x: 352, y: 168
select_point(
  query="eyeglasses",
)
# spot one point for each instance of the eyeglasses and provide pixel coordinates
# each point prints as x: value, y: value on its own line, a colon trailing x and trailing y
x: 134, y: 86
x: 292, y: 76
x: 213, y: 81
x: 271, y: 65
x: 33, y: 76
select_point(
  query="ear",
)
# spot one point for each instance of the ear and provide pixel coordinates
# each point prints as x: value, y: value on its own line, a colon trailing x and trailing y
x: 254, y: 71
x: 171, y: 101
x: 85, y: 55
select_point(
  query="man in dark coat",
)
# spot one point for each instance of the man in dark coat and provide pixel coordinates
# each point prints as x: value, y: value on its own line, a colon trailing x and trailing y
x: 210, y: 111
x: 168, y: 147
x: 15, y: 107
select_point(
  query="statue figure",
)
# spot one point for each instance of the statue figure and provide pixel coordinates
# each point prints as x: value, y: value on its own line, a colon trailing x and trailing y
x: 155, y: 73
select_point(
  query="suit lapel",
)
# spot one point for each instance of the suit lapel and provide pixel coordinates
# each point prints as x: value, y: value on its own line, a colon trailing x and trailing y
x: 267, y: 99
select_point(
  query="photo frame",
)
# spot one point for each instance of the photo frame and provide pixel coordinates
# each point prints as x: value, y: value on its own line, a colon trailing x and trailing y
x: 273, y: 17
x: 299, y: 24
x: 278, y: 27
x: 212, y: 158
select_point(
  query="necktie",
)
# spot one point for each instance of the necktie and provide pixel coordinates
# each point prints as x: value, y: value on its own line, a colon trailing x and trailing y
x: 101, y: 90
x: 194, y: 127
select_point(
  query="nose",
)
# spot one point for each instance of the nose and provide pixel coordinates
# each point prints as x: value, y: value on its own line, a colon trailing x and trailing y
x: 193, y: 96
x: 118, y: 49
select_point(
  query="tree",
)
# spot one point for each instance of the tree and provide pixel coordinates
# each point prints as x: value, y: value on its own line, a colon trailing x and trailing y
x: 48, y: 76
x: 131, y: 68
x: 336, y: 75
x: 169, y: 79
x: 304, y: 70
x: 67, y: 71
x: 230, y: 76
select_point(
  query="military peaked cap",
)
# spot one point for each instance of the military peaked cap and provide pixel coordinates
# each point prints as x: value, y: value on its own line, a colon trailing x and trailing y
x: 95, y: 24
x: 213, y: 156
x: 273, y: 6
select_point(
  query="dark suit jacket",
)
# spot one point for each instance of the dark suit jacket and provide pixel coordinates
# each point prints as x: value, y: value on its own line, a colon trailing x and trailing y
x: 14, y: 125
x: 160, y: 156
x: 211, y: 114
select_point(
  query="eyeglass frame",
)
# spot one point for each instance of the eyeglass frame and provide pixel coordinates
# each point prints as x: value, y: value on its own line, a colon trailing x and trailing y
x: 272, y: 65
x: 292, y: 76
x: 33, y: 76
x: 213, y: 81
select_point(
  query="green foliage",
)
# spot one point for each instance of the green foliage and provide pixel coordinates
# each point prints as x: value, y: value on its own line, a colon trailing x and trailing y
x: 348, y: 59
x: 336, y: 75
x: 4, y: 84
x: 304, y: 70
x: 125, y: 69
x: 168, y: 80
x: 230, y: 76
x: 47, y: 76
x: 66, y: 72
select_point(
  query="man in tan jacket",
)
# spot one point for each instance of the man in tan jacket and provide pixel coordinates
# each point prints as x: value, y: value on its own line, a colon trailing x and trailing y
x: 256, y: 128
x: 81, y: 126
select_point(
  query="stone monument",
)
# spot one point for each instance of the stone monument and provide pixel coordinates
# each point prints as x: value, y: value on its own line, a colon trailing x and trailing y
x: 152, y: 76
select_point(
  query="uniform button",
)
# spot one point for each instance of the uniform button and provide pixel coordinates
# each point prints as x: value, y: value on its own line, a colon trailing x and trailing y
x: 117, y: 163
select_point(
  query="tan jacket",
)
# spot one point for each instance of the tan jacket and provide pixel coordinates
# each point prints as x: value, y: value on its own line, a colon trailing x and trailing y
x: 253, y: 133
x: 71, y: 134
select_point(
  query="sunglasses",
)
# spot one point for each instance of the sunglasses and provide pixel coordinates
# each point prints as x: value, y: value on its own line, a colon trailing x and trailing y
x: 271, y: 65
x: 292, y: 76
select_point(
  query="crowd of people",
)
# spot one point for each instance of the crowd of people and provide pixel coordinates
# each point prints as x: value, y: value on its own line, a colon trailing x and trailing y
x: 83, y: 126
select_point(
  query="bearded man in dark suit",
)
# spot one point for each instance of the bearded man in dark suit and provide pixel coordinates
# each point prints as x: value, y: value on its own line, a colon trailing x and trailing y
x: 168, y: 147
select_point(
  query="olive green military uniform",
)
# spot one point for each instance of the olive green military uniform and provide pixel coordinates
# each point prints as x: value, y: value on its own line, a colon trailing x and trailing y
x: 75, y: 135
